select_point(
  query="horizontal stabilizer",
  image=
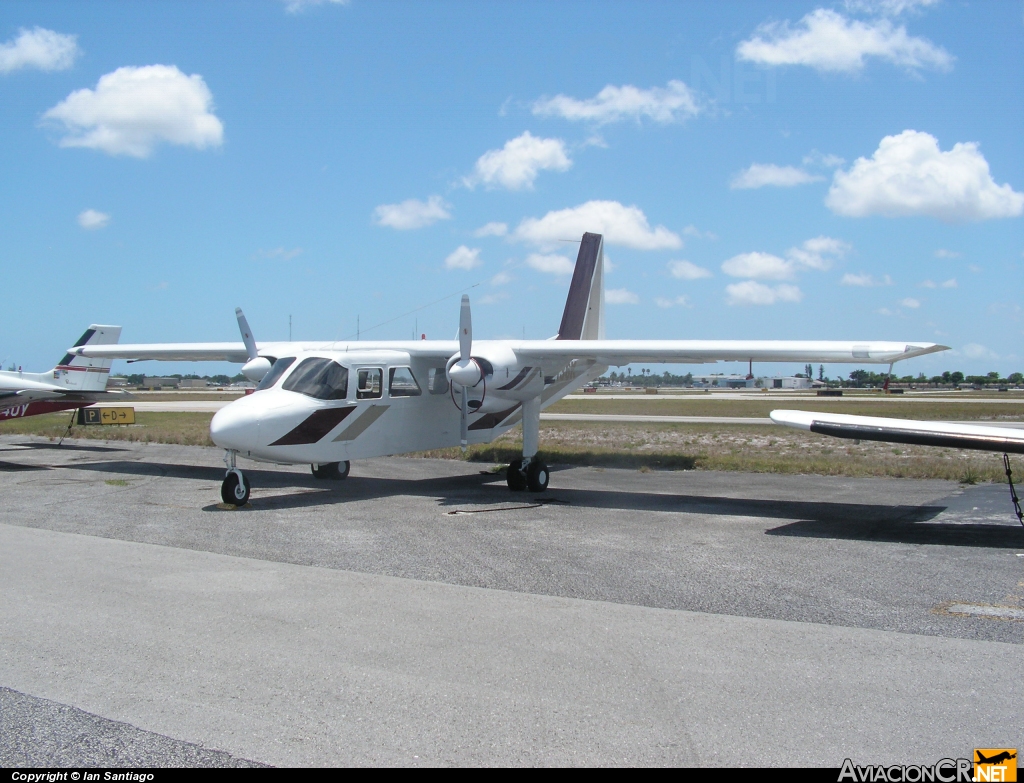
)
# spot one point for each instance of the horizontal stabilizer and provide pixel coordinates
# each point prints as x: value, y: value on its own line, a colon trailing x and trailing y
x: 951, y: 434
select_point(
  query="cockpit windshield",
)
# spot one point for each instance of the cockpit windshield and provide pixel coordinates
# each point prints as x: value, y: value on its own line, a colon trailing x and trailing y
x: 275, y: 372
x: 322, y: 379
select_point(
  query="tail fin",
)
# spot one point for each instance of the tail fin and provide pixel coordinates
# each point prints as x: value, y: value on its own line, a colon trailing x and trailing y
x: 583, y: 317
x: 82, y: 373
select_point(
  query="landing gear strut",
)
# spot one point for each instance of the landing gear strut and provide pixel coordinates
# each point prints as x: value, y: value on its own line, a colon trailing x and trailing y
x: 529, y: 472
x: 235, y: 489
x: 332, y: 471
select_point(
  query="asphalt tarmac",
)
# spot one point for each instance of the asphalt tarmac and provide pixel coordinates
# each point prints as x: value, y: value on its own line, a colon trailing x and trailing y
x: 419, y: 613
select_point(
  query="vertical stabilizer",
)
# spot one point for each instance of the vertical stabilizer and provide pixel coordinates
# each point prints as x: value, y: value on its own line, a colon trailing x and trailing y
x: 81, y: 373
x: 583, y: 317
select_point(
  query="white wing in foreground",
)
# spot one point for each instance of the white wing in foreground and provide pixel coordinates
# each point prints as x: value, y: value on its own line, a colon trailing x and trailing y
x: 1007, y: 440
x: 620, y: 352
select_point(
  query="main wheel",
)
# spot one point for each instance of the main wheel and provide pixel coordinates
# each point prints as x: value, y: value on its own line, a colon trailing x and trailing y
x: 233, y: 491
x: 514, y: 476
x: 537, y: 476
x: 332, y: 471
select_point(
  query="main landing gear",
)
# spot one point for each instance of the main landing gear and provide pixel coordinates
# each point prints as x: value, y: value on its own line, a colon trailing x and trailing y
x: 331, y: 471
x: 529, y: 472
x: 235, y: 489
x: 533, y: 476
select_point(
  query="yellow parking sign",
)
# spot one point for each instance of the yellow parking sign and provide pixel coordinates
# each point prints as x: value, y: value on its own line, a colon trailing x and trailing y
x: 106, y: 415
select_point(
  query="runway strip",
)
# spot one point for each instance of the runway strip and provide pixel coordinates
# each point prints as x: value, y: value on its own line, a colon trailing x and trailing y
x: 300, y: 665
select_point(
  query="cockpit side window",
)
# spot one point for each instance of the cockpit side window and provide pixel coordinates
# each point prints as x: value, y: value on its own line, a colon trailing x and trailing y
x: 369, y: 383
x: 321, y: 379
x: 401, y: 383
x: 275, y: 372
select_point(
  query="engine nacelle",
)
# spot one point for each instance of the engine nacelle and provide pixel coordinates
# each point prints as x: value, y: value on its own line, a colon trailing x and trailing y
x: 255, y: 369
x: 498, y: 379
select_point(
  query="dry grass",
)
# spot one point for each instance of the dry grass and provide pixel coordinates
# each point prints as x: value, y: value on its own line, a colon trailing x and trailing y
x: 697, y: 405
x: 187, y: 429
x: 756, y: 448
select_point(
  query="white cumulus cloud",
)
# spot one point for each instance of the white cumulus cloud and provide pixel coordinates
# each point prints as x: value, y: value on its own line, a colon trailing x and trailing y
x: 684, y: 270
x: 297, y: 6
x: 976, y: 351
x: 619, y: 224
x: 38, y: 48
x: 750, y: 292
x: 90, y: 219
x: 864, y: 280
x: 516, y: 165
x: 909, y: 175
x: 681, y: 301
x: 502, y: 278
x: 620, y: 296
x: 672, y: 103
x: 828, y: 41
x: 412, y: 213
x: 942, y: 253
x: 761, y: 174
x: 550, y: 264
x: 463, y: 258
x: 762, y: 266
x: 134, y: 109
x: 913, y: 304
x: 818, y: 253
x: 280, y: 253
x: 491, y: 230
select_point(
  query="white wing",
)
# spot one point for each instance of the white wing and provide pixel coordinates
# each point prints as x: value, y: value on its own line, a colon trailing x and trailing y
x: 920, y: 433
x: 620, y: 352
x: 236, y: 352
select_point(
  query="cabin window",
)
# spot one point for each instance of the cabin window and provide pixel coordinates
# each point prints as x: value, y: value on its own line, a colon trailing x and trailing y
x: 275, y: 372
x: 437, y: 381
x: 321, y: 379
x: 401, y: 383
x: 369, y: 383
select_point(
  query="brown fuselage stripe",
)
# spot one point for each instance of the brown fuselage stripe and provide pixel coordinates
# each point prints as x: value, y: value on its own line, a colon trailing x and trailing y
x: 362, y: 423
x: 314, y: 427
x: 515, y: 381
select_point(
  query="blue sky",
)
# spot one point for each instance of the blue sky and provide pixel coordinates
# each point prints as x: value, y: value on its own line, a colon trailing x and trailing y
x: 821, y: 171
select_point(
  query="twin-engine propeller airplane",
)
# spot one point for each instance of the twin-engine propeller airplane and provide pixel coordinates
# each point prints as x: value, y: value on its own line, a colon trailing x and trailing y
x: 76, y: 382
x: 327, y: 403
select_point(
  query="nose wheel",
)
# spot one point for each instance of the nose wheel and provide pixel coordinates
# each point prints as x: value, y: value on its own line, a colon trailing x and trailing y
x: 236, y: 488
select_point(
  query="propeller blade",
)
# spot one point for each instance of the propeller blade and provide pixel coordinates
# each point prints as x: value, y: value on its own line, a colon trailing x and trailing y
x: 464, y: 418
x: 243, y: 327
x: 465, y: 330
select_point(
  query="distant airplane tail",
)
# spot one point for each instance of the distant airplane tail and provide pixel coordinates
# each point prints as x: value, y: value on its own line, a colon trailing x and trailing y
x: 80, y: 373
x: 583, y: 317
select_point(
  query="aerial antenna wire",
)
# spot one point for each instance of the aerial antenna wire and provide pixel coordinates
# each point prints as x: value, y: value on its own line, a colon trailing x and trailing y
x: 403, y: 315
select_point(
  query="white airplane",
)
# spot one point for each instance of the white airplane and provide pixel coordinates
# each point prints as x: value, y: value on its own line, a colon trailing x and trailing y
x: 950, y: 434
x: 327, y: 403
x: 76, y: 382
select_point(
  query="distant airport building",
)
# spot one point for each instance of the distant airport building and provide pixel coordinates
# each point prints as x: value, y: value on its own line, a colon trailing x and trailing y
x: 193, y: 383
x: 153, y: 383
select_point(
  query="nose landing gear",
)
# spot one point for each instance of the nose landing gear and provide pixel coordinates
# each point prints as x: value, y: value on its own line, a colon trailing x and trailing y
x: 236, y: 488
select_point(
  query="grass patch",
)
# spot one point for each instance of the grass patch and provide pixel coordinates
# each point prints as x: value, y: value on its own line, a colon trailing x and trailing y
x: 186, y: 429
x: 117, y: 482
x: 897, y: 408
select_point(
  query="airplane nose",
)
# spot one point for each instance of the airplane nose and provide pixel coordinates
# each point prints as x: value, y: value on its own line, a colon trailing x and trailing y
x: 234, y: 427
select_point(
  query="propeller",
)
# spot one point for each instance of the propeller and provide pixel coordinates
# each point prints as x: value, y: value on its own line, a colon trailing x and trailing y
x: 257, y: 366
x: 465, y: 372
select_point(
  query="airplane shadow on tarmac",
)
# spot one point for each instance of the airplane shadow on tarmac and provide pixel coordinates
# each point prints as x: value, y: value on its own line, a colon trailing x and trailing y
x: 812, y: 519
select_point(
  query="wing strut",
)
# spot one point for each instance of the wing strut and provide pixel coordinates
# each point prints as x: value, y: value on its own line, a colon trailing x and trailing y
x: 1013, y: 492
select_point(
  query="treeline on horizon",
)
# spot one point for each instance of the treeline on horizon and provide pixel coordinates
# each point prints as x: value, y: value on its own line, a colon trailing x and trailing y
x: 856, y: 379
